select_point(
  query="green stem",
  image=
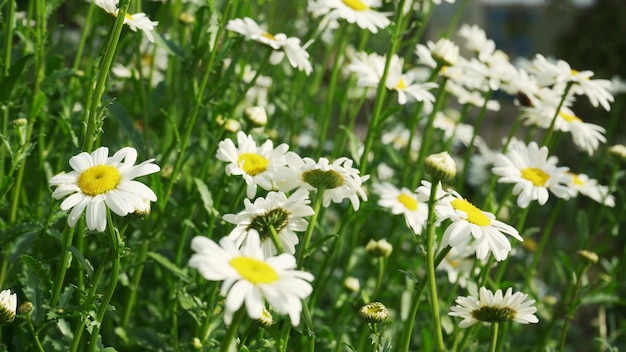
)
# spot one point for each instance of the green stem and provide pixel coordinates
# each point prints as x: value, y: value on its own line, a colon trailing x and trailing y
x: 382, y: 88
x: 494, y: 337
x: 231, y: 331
x: 479, y: 121
x: 550, y: 131
x: 317, y: 206
x: 572, y: 305
x: 95, y: 101
x: 276, y: 240
x: 134, y: 286
x: 544, y: 239
x: 31, y: 328
x: 381, y: 275
x: 8, y: 45
x: 430, y: 259
x: 117, y: 249
x: 408, y: 331
x: 68, y: 234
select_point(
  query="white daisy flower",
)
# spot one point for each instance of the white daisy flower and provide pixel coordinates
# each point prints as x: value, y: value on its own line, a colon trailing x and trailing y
x: 284, y: 214
x: 452, y: 129
x: 480, y: 164
x: 249, y: 277
x: 560, y: 74
x: 494, y: 308
x: 262, y: 166
x: 338, y: 179
x: 353, y: 11
x: 476, y: 41
x: 533, y: 173
x: 296, y: 54
x: 152, y: 64
x: 471, y: 225
x: 134, y: 21
x: 8, y: 306
x: 586, y: 136
x: 403, y: 201
x: 589, y: 187
x: 98, y: 181
x: 398, y: 136
x: 460, y: 265
x: 370, y: 68
x: 442, y: 53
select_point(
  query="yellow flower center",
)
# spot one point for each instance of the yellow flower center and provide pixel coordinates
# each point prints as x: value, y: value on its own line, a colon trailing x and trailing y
x: 408, y: 201
x: 252, y: 163
x: 254, y: 270
x: 356, y: 5
x: 569, y: 117
x: 401, y: 84
x: 576, y: 180
x: 99, y: 179
x: 128, y: 17
x: 573, y: 72
x: 474, y: 215
x: 268, y: 36
x: 537, y: 176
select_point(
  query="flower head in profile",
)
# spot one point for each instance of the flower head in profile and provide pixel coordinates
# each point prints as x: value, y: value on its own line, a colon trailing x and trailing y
x: 262, y: 166
x: 494, y: 308
x: 473, y: 227
x: 135, y: 21
x: 338, y: 180
x: 533, y: 173
x: 589, y: 187
x: 251, y: 278
x: 403, y: 201
x: 98, y: 181
x: 360, y: 12
x: 8, y: 306
x: 296, y: 54
x: 370, y: 68
x: 284, y: 214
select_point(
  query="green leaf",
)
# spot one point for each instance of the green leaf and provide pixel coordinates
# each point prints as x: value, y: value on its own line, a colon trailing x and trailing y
x: 167, y: 264
x: 81, y: 259
x: 207, y: 199
x: 19, y: 231
x: 9, y: 82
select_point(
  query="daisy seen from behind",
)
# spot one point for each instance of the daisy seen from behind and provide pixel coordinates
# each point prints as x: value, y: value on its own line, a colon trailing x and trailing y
x: 337, y: 180
x: 262, y: 165
x: 135, y: 21
x: 494, y: 308
x: 403, y: 201
x: 360, y: 12
x: 98, y: 182
x: 533, y: 173
x: 251, y: 278
x: 284, y: 214
x: 296, y: 54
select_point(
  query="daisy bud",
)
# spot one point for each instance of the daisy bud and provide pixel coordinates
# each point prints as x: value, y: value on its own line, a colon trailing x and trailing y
x: 440, y: 166
x: 8, y: 305
x: 24, y: 308
x: 266, y: 319
x: 374, y: 312
x: 186, y: 18
x: 618, y: 152
x: 256, y: 115
x: 20, y: 122
x: 588, y: 256
x: 352, y: 284
x: 197, y: 344
x: 380, y: 248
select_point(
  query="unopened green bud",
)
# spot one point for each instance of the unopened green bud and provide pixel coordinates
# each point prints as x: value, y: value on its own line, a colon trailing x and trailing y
x: 440, y: 166
x: 380, y: 248
x: 374, y: 312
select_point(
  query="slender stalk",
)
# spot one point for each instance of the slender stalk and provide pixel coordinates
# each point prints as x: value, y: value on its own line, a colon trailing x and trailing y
x: 479, y: 121
x: 494, y: 337
x: 68, y: 234
x: 317, y: 206
x: 142, y: 256
x: 430, y: 261
x: 382, y: 88
x: 572, y: 304
x: 544, y: 239
x: 31, y: 328
x: 381, y: 274
x: 109, y: 55
x: 550, y: 131
x: 276, y: 240
x: 231, y: 331
x: 8, y: 46
x: 117, y: 249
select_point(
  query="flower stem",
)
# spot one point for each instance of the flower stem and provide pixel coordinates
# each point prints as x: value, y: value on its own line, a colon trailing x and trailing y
x: 470, y: 150
x: 134, y: 286
x: 31, y: 328
x: 548, y: 135
x: 381, y: 274
x: 494, y: 337
x: 276, y: 240
x: 317, y: 206
x: 68, y: 234
x: 231, y: 331
x: 91, y: 114
x: 572, y: 304
x: 117, y: 249
x: 430, y: 259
